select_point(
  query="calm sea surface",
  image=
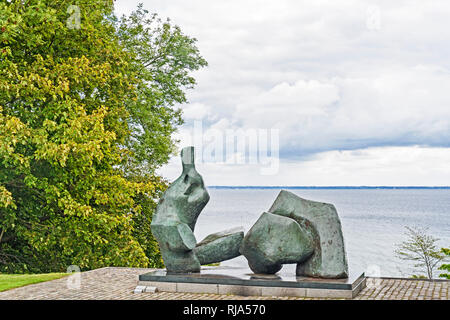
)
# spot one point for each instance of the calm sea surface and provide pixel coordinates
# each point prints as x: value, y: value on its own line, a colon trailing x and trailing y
x: 373, y: 220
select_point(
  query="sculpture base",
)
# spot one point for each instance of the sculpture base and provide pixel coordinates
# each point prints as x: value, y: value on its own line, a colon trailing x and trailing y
x: 241, y: 281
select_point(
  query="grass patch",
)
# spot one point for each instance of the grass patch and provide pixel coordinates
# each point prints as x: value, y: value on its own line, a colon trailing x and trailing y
x: 215, y: 264
x: 10, y: 281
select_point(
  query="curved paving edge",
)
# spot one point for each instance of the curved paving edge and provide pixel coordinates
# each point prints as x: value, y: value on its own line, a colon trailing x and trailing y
x: 119, y: 283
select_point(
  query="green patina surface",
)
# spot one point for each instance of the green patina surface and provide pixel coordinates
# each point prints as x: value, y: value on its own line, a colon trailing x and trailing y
x: 273, y: 241
x: 299, y: 231
x: 321, y: 220
x: 10, y: 281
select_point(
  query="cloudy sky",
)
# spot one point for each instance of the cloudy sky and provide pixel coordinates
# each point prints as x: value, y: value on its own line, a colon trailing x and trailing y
x: 357, y: 91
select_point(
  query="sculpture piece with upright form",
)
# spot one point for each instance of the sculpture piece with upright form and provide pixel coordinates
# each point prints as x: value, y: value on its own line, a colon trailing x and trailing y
x: 174, y: 222
x: 298, y: 231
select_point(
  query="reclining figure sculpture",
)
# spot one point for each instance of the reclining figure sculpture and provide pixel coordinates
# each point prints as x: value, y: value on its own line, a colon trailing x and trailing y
x: 294, y: 230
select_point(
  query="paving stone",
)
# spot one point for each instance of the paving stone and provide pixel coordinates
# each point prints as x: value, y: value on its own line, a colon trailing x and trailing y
x: 240, y: 290
x: 139, y: 289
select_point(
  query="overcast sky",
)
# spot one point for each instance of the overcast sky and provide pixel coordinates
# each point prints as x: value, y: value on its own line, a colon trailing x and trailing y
x: 359, y: 90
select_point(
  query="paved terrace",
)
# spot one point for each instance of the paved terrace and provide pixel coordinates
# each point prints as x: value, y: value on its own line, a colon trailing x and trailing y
x: 119, y: 283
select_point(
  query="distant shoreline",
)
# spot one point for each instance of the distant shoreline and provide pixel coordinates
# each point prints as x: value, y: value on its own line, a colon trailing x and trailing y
x: 328, y: 187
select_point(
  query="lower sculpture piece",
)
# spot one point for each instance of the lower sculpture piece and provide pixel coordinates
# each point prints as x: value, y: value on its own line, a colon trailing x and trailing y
x: 174, y: 222
x: 297, y: 231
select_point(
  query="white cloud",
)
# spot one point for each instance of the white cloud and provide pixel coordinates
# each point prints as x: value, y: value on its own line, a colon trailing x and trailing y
x: 326, y: 74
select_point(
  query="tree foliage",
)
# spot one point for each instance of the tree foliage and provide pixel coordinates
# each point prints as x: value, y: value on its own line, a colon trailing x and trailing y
x: 421, y: 249
x: 86, y: 116
x: 445, y: 266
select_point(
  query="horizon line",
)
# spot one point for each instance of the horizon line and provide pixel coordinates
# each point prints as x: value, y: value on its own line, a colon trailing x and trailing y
x: 329, y: 187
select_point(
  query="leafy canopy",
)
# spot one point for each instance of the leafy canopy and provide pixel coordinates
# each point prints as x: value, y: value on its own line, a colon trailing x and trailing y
x: 87, y: 113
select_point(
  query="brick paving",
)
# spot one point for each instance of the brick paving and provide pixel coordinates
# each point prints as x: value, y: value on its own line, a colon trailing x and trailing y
x: 119, y: 283
x: 405, y: 289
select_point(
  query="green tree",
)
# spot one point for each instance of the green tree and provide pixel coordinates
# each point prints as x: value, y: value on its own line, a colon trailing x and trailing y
x: 421, y: 249
x: 86, y: 115
x: 445, y: 266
